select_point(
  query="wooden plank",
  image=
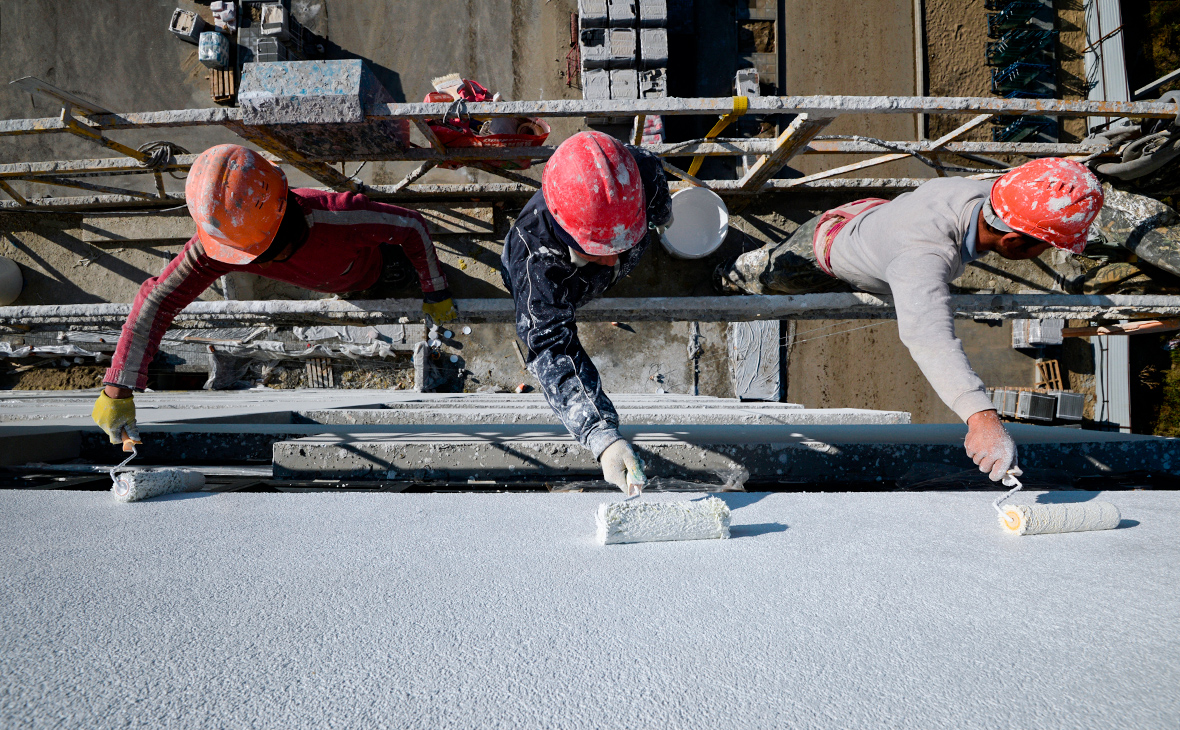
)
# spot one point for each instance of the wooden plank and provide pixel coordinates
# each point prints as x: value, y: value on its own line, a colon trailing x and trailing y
x: 792, y: 141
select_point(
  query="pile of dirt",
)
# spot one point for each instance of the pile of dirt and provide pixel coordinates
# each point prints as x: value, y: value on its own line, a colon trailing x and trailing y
x: 78, y: 377
x: 756, y: 36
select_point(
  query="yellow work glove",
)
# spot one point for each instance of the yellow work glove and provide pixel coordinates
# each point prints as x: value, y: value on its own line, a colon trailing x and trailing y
x: 440, y: 312
x: 116, y: 416
x: 622, y: 468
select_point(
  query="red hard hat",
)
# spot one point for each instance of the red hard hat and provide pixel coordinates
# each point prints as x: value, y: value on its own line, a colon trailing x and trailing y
x: 237, y: 199
x: 1050, y: 199
x: 592, y: 188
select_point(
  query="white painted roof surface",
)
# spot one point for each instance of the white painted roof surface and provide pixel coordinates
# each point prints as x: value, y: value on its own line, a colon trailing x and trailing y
x: 462, y: 610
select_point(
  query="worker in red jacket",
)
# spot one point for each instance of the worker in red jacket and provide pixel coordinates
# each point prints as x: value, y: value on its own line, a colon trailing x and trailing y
x: 249, y: 221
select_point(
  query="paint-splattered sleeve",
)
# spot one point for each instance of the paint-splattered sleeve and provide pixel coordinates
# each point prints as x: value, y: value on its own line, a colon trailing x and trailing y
x: 158, y: 302
x: 545, y: 321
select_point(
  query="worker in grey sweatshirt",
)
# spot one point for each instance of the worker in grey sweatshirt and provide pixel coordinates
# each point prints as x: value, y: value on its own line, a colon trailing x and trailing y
x: 912, y: 247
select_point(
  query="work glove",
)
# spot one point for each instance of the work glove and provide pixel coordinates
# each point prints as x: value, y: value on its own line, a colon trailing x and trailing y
x: 440, y: 307
x: 116, y: 416
x: 989, y: 445
x: 622, y: 468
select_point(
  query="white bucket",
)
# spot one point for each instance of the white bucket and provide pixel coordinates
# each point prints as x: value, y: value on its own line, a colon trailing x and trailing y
x: 700, y: 221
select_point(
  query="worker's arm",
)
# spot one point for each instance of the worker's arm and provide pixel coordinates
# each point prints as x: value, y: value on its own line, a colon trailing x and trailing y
x: 158, y: 302
x: 926, y: 326
x: 545, y: 321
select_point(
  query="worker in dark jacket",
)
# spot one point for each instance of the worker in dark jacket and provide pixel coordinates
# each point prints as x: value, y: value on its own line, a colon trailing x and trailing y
x: 584, y: 230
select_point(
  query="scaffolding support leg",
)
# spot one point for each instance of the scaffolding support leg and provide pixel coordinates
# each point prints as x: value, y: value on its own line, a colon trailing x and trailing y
x: 791, y: 142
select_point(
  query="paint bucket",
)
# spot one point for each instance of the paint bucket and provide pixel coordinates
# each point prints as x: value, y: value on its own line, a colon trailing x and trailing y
x: 700, y: 222
x: 12, y: 281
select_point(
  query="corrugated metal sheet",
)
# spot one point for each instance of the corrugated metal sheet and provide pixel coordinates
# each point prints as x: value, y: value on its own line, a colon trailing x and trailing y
x: 1106, y: 66
x: 1112, y: 381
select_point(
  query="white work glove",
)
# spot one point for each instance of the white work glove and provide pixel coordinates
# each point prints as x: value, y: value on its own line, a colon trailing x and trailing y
x: 989, y: 445
x: 622, y: 468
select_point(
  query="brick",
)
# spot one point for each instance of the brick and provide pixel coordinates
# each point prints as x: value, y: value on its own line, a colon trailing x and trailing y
x: 653, y: 13
x: 592, y: 14
x: 653, y: 47
x: 621, y: 13
x: 596, y: 52
x: 653, y: 84
x: 622, y: 48
x: 624, y: 84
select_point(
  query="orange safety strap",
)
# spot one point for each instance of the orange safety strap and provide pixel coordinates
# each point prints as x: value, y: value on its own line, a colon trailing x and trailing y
x: 740, y: 104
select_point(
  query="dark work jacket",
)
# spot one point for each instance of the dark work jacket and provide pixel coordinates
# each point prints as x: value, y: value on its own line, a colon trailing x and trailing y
x: 548, y: 288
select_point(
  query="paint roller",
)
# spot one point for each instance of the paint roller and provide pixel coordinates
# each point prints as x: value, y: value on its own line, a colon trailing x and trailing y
x: 1044, y: 519
x: 635, y: 521
x: 132, y: 486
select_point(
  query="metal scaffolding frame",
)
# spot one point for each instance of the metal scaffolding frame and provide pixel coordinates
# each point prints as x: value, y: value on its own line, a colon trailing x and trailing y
x: 801, y: 135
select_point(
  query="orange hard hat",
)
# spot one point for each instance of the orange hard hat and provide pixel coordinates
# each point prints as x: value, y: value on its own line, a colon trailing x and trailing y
x: 237, y: 200
x: 1050, y: 199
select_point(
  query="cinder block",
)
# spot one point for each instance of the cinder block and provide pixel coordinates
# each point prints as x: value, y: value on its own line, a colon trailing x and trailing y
x: 592, y: 14
x: 595, y: 50
x: 653, y: 47
x: 596, y: 84
x: 622, y: 48
x: 596, y: 87
x: 653, y: 13
x: 745, y: 83
x: 653, y: 84
x: 621, y: 13
x: 624, y: 84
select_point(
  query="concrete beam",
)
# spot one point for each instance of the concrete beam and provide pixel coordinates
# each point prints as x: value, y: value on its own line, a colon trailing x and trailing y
x: 617, y: 309
x: 819, y: 454
x: 636, y: 415
x: 817, y: 106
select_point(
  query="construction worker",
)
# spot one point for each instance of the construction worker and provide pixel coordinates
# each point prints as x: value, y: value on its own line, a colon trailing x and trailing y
x: 582, y: 232
x: 913, y: 247
x: 249, y: 221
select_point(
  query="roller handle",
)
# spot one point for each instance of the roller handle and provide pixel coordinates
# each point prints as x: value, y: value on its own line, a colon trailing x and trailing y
x: 129, y: 444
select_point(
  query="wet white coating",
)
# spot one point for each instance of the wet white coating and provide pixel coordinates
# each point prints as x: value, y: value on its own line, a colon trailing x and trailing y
x: 838, y: 610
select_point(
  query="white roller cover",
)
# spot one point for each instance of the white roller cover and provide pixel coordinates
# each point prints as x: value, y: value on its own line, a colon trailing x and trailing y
x: 133, y: 486
x: 704, y: 519
x: 1041, y: 519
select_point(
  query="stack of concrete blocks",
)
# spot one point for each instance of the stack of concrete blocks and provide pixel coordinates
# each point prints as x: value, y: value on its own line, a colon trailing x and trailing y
x: 624, y: 49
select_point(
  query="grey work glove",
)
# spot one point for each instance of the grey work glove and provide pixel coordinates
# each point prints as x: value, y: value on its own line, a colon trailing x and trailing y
x: 622, y: 468
x: 989, y: 445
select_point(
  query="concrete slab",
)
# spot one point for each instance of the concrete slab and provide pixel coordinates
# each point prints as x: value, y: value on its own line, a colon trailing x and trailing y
x: 457, y: 611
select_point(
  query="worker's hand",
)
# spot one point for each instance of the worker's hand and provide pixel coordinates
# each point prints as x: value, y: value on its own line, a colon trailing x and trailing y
x: 622, y: 468
x: 116, y: 416
x: 440, y: 307
x: 989, y: 445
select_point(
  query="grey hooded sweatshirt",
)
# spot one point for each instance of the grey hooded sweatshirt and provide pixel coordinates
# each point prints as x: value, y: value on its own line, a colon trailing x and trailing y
x: 912, y: 248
